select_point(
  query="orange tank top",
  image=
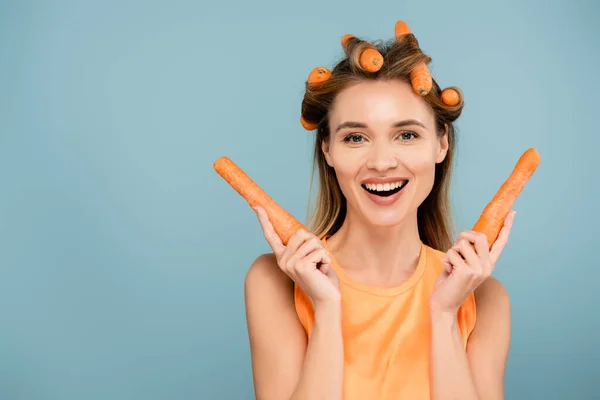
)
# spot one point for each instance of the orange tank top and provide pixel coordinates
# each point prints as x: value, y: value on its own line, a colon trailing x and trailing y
x: 386, y: 332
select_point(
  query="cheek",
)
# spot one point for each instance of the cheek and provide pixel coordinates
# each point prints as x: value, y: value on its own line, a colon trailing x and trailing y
x: 424, y: 174
x: 346, y: 171
x: 345, y: 161
x: 347, y: 165
x: 420, y: 163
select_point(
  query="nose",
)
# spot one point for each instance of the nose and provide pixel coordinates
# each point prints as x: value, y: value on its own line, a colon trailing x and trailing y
x: 381, y: 157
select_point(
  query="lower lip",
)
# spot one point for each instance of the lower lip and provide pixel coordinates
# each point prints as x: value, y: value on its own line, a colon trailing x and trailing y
x: 384, y: 201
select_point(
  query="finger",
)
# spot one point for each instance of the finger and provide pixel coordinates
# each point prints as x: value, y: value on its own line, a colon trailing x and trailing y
x: 319, y: 256
x: 269, y: 232
x: 298, y: 239
x: 331, y: 275
x: 327, y: 269
x: 478, y: 244
x: 479, y: 241
x: 502, y: 239
x: 455, y: 259
x: 306, y: 265
x: 295, y: 241
x: 327, y: 266
x: 447, y: 265
x: 462, y: 272
x: 446, y: 261
x: 307, y: 247
x: 467, y: 251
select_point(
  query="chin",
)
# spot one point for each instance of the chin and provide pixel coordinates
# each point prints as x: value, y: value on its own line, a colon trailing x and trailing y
x: 384, y: 218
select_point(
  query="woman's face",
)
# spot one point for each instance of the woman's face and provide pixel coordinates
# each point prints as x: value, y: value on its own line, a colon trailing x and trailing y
x: 383, y: 147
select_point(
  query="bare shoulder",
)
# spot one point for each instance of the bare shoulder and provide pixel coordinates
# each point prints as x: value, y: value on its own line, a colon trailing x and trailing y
x: 277, y: 339
x: 267, y: 287
x: 265, y: 271
x: 492, y: 299
x: 265, y: 280
x: 492, y: 311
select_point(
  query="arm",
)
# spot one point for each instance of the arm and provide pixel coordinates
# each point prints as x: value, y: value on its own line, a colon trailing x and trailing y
x: 489, y: 343
x: 285, y: 365
x: 478, y: 372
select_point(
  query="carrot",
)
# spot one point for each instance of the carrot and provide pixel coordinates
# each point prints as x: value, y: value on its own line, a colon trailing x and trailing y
x: 419, y: 76
x: 283, y: 222
x: 450, y: 96
x: 401, y: 28
x: 421, y: 79
x: 318, y: 75
x: 492, y: 218
x: 309, y: 126
x: 371, y: 60
x: 345, y: 39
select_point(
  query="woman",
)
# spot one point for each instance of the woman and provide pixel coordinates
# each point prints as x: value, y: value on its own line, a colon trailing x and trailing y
x: 405, y: 312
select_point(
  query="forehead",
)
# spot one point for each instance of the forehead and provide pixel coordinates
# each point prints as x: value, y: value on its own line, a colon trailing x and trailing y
x: 385, y: 102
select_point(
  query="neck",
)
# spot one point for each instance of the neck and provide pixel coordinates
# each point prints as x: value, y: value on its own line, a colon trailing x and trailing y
x: 384, y: 254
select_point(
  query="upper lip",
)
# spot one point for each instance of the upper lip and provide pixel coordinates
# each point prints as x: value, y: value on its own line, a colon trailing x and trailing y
x: 384, y: 180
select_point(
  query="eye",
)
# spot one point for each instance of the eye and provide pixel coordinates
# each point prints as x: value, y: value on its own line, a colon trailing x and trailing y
x: 353, y: 138
x: 408, y: 135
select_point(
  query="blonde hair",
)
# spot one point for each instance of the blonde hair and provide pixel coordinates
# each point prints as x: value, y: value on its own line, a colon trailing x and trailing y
x: 401, y: 56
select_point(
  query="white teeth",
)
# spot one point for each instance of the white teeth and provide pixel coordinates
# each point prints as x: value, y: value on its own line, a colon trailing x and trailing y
x: 384, y: 187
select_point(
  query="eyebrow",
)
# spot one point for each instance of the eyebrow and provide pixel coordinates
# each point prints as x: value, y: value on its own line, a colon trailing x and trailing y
x: 352, y: 124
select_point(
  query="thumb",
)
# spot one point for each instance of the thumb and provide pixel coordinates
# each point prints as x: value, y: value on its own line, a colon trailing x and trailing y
x: 328, y: 270
x: 447, y: 265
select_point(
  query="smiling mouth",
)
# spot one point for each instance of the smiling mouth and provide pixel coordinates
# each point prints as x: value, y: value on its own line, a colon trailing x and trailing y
x: 385, y: 190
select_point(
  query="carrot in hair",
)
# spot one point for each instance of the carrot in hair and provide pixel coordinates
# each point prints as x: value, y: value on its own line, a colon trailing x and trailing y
x: 371, y: 60
x: 492, y: 218
x: 283, y: 222
x: 421, y: 79
x: 450, y: 96
x: 345, y: 39
x: 309, y: 126
x: 419, y: 76
x: 318, y: 75
x: 401, y: 28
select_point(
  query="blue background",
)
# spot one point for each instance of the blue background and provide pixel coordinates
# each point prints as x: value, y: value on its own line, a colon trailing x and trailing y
x: 122, y: 252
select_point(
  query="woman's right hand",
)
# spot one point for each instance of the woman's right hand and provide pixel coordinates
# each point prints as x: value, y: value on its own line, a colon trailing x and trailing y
x: 305, y: 260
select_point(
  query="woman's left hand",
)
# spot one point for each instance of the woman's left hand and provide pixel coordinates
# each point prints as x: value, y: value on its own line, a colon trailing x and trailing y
x: 468, y: 263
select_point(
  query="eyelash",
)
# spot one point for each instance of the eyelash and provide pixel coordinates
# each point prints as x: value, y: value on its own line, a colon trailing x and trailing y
x: 351, y: 135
